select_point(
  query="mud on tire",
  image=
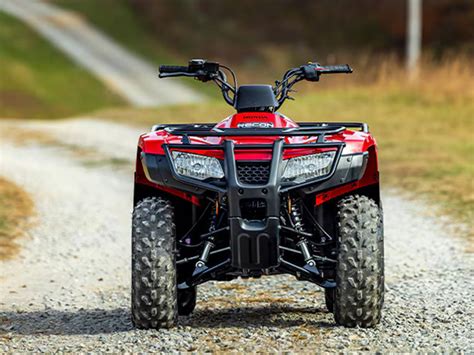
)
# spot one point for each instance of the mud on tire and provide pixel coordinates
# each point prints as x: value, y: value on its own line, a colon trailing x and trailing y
x: 359, y: 294
x: 154, y: 293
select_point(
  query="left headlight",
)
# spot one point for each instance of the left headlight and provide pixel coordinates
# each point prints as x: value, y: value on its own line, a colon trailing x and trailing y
x: 308, y: 167
x: 197, y: 166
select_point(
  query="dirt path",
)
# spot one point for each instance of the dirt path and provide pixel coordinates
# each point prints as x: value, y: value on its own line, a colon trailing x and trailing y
x: 128, y: 75
x: 69, y: 288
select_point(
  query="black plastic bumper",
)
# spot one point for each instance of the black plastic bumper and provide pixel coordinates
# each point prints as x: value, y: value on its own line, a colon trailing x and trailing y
x: 254, y: 244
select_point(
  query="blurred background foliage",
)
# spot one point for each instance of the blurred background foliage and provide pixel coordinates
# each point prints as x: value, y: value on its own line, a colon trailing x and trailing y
x: 247, y: 30
x: 265, y: 36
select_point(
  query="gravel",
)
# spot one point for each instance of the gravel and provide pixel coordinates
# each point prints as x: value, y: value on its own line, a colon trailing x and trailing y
x: 68, y: 290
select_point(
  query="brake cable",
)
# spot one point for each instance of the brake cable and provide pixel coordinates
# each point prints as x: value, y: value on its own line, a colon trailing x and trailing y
x: 234, y: 77
x: 181, y: 240
x: 316, y: 223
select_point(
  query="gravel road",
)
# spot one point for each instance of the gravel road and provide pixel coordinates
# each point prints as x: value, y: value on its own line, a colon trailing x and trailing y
x: 130, y: 76
x: 68, y: 290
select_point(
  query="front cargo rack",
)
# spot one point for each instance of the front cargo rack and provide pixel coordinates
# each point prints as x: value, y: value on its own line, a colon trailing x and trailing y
x: 305, y: 128
x: 319, y: 129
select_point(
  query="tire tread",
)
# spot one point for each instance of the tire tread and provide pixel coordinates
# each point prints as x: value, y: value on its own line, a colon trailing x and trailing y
x: 154, y: 293
x: 359, y: 293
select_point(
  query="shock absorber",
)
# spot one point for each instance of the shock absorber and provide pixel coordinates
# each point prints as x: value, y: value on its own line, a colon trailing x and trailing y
x: 205, y: 254
x: 294, y: 210
x: 296, y: 217
x: 208, y: 245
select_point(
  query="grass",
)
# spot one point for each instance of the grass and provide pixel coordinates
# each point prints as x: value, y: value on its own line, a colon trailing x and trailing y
x: 424, y: 128
x: 38, y: 81
x: 15, y: 208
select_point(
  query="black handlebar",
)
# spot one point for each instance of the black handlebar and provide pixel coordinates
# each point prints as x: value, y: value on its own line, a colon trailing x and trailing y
x: 204, y: 70
x: 173, y: 69
x: 312, y: 71
x: 334, y: 69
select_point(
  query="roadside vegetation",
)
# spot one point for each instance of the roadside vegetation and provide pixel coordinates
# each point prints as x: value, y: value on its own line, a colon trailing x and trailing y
x: 38, y: 81
x: 16, y: 207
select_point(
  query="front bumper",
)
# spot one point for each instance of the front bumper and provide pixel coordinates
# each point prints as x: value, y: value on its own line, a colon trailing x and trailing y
x: 254, y: 243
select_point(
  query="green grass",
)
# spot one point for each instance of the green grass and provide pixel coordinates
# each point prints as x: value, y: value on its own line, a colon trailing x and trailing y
x: 38, y: 81
x: 426, y: 144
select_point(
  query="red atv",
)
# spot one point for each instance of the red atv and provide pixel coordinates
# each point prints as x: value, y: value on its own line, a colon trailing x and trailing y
x: 256, y: 194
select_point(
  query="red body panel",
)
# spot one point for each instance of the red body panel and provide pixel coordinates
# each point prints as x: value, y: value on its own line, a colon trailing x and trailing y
x: 370, y: 177
x: 356, y: 142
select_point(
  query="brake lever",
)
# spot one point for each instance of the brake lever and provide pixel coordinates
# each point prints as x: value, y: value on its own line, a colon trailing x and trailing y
x: 205, y: 76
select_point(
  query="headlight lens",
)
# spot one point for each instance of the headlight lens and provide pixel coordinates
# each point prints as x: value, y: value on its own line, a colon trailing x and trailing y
x: 197, y: 166
x: 308, y: 167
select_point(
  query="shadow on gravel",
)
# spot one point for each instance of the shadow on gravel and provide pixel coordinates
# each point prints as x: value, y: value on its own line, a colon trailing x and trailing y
x: 261, y: 316
x: 59, y: 322
x: 98, y: 321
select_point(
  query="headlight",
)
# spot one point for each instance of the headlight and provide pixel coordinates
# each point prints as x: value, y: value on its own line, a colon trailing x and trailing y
x: 197, y: 166
x: 308, y: 167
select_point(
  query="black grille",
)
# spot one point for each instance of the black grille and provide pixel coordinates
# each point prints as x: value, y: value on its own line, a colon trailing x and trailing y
x: 253, y: 173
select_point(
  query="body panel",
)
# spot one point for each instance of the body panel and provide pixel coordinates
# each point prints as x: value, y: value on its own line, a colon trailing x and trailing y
x: 152, y: 156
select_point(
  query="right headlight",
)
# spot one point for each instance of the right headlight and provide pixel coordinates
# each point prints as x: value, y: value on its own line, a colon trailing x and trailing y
x: 308, y: 167
x: 197, y: 166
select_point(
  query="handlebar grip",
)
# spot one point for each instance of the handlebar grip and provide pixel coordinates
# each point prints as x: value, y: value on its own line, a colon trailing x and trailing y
x: 334, y: 69
x: 173, y: 69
